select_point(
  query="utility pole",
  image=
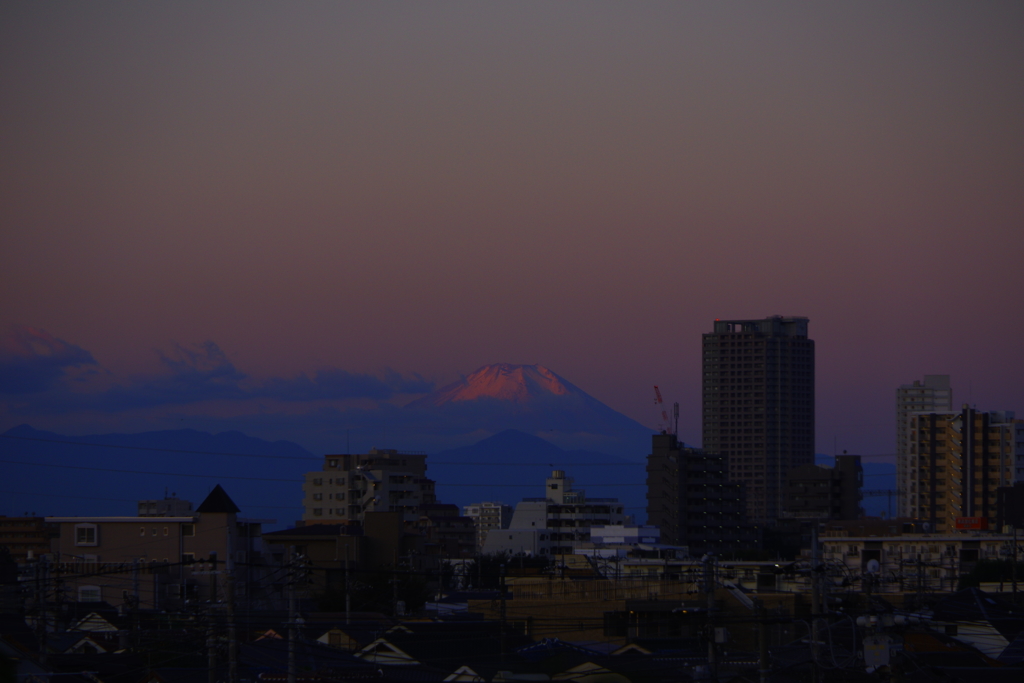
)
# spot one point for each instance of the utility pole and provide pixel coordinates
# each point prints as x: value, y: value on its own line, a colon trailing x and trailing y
x: 1013, y: 564
x: 348, y: 589
x: 394, y: 589
x: 815, y: 605
x: 211, y: 647
x: 762, y: 642
x: 232, y: 641
x: 504, y: 639
x: 291, y: 615
x: 709, y: 586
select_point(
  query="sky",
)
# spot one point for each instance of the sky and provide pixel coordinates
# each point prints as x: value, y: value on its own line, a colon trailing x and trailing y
x: 267, y: 215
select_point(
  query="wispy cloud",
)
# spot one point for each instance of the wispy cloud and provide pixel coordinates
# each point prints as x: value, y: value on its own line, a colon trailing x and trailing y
x: 33, y: 361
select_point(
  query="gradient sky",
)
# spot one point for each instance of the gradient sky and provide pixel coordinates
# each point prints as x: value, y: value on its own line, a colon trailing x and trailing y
x: 412, y: 190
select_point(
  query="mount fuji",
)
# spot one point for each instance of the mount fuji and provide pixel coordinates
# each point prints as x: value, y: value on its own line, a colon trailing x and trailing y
x: 534, y: 400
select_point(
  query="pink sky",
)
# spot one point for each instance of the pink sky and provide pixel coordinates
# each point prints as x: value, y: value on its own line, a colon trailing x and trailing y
x: 433, y: 187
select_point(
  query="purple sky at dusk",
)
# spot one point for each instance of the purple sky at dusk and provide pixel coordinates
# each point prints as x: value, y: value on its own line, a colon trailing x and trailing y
x: 403, y: 192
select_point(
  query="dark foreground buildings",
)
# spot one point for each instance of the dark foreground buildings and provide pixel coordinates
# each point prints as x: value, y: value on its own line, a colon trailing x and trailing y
x: 692, y: 501
x: 758, y: 405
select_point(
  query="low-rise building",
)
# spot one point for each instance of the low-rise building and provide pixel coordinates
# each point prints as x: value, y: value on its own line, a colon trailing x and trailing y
x: 819, y: 492
x: 557, y: 523
x: 899, y: 556
x: 157, y: 562
x: 25, y: 537
x: 350, y: 485
x: 487, y: 516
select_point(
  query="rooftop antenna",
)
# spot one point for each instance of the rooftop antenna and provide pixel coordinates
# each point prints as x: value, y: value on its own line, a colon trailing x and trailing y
x: 675, y: 414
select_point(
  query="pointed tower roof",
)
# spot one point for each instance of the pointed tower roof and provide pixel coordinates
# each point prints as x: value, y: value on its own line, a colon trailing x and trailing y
x: 218, y: 501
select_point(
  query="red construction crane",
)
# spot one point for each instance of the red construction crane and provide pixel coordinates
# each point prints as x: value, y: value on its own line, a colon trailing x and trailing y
x: 659, y: 404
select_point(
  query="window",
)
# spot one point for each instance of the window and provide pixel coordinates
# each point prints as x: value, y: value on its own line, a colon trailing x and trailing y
x: 89, y: 594
x: 318, y: 496
x: 332, y: 463
x: 85, y: 534
x: 188, y: 529
x: 318, y: 512
x: 167, y: 531
x: 142, y: 531
x: 318, y: 482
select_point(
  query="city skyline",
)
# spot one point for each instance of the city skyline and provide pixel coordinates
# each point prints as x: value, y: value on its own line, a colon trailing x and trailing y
x: 276, y: 218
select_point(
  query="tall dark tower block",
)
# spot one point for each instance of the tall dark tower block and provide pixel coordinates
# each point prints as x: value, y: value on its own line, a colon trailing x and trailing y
x: 759, y: 405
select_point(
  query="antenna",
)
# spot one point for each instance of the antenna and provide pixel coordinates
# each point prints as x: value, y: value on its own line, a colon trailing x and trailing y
x: 675, y: 414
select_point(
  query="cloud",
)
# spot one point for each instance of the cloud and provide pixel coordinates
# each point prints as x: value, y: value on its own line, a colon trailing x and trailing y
x: 192, y: 374
x: 33, y: 361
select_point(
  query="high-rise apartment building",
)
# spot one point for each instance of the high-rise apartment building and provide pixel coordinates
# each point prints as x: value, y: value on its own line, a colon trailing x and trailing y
x: 758, y: 407
x: 382, y: 480
x: 957, y: 462
x: 933, y: 395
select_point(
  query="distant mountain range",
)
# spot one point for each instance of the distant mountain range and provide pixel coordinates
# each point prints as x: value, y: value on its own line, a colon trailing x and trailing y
x: 55, y: 474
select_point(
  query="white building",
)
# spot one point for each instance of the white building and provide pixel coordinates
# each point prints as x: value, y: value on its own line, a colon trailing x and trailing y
x: 933, y: 395
x: 558, y: 523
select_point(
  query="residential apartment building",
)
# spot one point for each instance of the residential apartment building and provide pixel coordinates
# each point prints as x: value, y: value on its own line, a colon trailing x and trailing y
x: 820, y: 493
x: 155, y: 562
x: 487, y: 516
x: 692, y: 501
x: 958, y: 461
x: 25, y: 537
x: 932, y: 395
x: 901, y: 558
x: 557, y: 523
x: 350, y: 485
x: 758, y: 405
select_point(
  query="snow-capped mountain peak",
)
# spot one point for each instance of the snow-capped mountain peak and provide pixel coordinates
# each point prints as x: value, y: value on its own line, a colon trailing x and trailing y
x: 502, y: 381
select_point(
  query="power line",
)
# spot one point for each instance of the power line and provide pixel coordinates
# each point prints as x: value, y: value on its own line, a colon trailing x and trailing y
x: 303, y: 457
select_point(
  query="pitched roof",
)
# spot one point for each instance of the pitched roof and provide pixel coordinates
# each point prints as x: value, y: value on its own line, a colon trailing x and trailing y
x: 218, y: 501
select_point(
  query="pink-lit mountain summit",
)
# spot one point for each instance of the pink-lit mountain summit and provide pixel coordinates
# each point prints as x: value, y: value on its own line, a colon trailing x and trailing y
x: 531, y: 399
x: 502, y: 381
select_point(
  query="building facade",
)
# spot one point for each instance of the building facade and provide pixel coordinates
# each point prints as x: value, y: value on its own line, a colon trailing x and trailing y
x: 558, y: 523
x: 350, y: 485
x: 758, y: 405
x: 901, y: 558
x: 821, y: 493
x: 692, y: 501
x: 932, y: 395
x: 487, y: 516
x: 157, y: 562
x: 958, y: 461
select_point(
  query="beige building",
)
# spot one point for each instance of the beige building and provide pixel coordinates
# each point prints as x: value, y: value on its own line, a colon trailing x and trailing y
x: 906, y: 562
x: 153, y: 562
x: 956, y: 463
x: 350, y: 485
x: 487, y: 516
x: 932, y: 395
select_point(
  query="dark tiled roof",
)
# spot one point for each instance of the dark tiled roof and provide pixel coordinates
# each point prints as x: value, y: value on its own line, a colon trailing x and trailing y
x: 218, y: 501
